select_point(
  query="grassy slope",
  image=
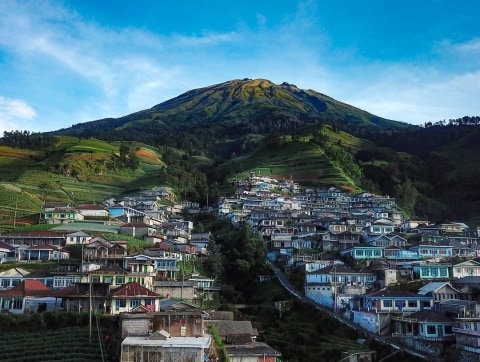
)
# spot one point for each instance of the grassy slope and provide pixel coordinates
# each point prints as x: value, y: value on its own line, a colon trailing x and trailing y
x: 28, y: 177
x: 301, y: 160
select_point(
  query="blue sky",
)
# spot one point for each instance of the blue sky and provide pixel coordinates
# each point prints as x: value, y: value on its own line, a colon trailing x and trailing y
x: 66, y: 62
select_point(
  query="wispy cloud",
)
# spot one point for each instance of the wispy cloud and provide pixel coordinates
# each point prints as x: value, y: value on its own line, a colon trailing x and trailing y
x: 91, y: 71
x: 14, y: 114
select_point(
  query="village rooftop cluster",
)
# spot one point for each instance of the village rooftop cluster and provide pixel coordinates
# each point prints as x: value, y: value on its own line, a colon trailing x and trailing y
x: 355, y: 249
x: 361, y: 258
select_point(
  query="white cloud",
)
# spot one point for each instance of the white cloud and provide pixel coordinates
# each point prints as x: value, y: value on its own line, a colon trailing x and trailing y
x: 15, y: 114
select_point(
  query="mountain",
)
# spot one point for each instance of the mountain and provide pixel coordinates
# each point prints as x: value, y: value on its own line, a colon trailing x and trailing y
x: 234, y: 108
x: 200, y: 141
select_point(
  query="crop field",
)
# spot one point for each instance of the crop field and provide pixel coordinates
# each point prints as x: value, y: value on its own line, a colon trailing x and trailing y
x: 14, y: 206
x: 64, y: 344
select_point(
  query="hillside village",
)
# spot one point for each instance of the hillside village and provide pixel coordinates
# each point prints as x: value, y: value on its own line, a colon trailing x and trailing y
x: 359, y: 255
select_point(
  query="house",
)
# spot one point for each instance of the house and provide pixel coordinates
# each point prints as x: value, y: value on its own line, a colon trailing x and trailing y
x: 175, y: 332
x: 29, y: 296
x: 82, y: 296
x: 92, y: 211
x: 253, y: 351
x: 100, y: 249
x: 150, y: 262
x: 468, y: 287
x: 326, y: 285
x: 7, y: 252
x: 440, y: 291
x: 33, y: 238
x: 61, y: 215
x: 132, y: 295
x: 67, y: 275
x: 378, y: 228
x: 425, y: 331
x: 175, y: 289
x: 161, y: 346
x: 12, y: 277
x: 467, y: 325
x: 77, y: 238
x: 433, y: 251
x: 204, y: 288
x: 138, y: 230
x: 467, y: 268
x: 388, y: 274
x: 431, y: 271
x: 44, y: 252
x: 347, y: 240
x: 112, y: 275
x: 363, y: 252
x: 387, y: 301
x: 388, y: 240
x: 397, y: 253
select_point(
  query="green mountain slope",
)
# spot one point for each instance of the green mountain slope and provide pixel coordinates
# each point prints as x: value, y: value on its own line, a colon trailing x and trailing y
x: 199, y: 140
x: 231, y: 109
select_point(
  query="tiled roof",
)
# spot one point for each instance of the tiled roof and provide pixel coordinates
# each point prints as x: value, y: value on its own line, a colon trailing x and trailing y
x: 64, y: 292
x: 110, y: 269
x: 338, y: 269
x: 90, y: 207
x: 27, y: 288
x: 43, y: 247
x: 133, y: 289
x: 430, y: 316
x: 32, y: 234
x: 4, y: 245
x: 229, y: 327
x: 393, y: 293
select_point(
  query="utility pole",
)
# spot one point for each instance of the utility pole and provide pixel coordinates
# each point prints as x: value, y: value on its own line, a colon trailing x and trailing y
x: 15, y: 217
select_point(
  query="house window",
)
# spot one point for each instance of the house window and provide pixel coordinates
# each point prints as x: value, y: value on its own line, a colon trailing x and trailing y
x: 134, y: 303
x: 120, y: 280
x: 15, y: 282
x: 5, y: 283
x: 447, y: 330
x: 399, y: 304
x: 150, y: 301
x: 412, y: 303
x: 431, y: 329
x: 387, y: 303
x: 368, y: 253
x: 120, y: 303
x: 95, y: 279
x: 443, y: 272
x: 17, y: 303
x: 108, y: 279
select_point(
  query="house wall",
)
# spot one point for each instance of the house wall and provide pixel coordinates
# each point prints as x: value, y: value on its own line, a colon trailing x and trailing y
x: 431, y: 348
x: 365, y: 320
x: 158, y: 353
x: 135, y: 327
x: 252, y: 359
x: 176, y: 292
x: 178, y: 325
x: 321, y: 294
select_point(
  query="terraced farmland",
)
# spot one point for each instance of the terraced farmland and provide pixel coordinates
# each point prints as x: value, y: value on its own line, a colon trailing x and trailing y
x: 64, y: 344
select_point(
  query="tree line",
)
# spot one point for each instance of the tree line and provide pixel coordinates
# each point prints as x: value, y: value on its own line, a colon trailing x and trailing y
x: 27, y: 139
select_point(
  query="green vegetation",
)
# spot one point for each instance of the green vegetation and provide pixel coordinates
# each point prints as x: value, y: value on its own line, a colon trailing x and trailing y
x: 51, y: 337
x: 198, y: 141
